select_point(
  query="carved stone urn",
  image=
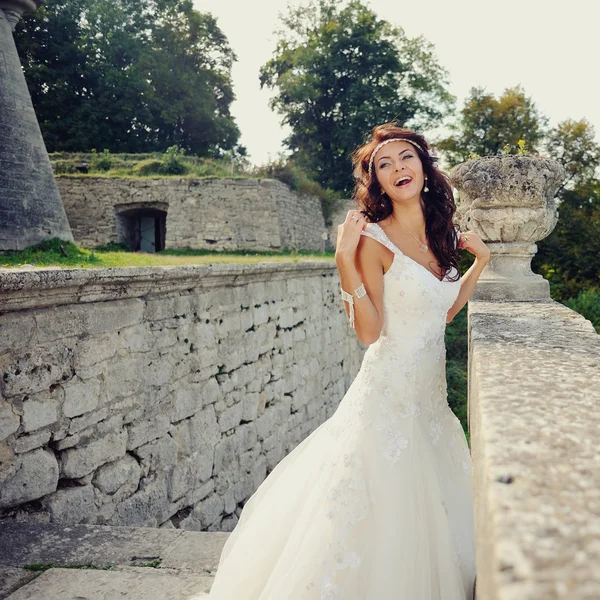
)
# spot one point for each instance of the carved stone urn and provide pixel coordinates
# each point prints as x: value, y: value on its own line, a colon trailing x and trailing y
x: 509, y: 202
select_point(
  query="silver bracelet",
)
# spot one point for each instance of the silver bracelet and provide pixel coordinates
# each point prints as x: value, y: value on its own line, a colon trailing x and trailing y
x: 360, y: 291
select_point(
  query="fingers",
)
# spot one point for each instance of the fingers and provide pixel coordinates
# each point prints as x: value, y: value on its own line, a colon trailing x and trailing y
x: 357, y: 217
x: 354, y: 216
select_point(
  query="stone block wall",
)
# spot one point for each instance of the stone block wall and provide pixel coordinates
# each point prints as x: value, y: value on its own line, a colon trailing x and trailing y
x: 338, y: 217
x: 162, y: 396
x: 218, y: 214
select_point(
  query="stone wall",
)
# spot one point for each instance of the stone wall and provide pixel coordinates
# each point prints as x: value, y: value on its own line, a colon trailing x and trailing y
x: 338, y: 217
x: 162, y: 396
x: 217, y: 214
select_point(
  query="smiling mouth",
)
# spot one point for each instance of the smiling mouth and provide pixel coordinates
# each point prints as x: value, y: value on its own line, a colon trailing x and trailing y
x: 402, y: 181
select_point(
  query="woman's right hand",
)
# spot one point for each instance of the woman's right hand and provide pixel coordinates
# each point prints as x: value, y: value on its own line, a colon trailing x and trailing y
x: 348, y: 236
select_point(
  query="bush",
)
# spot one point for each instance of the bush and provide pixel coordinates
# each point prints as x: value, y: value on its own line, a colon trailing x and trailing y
x: 149, y: 167
x: 103, y: 162
x: 170, y: 163
x: 64, y: 167
x: 587, y: 303
x: 296, y: 178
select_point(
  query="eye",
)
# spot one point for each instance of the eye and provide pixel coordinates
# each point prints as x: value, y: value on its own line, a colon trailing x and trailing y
x: 407, y: 156
x: 383, y: 164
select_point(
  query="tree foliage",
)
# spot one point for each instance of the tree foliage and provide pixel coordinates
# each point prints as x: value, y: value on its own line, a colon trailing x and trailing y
x: 570, y: 256
x: 338, y: 71
x: 487, y: 124
x: 129, y: 76
x: 572, y: 143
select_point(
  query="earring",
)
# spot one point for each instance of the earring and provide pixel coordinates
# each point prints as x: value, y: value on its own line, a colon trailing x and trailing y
x: 425, y: 189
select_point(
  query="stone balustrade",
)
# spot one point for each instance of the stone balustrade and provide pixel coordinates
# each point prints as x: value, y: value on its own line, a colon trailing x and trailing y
x: 534, y: 385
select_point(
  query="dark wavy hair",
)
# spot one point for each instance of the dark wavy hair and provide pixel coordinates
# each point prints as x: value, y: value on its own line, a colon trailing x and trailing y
x: 438, y: 201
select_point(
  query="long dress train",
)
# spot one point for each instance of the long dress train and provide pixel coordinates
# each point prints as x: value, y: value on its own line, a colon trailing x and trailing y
x: 376, y: 503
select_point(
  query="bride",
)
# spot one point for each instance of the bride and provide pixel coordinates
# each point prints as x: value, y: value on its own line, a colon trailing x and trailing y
x: 376, y: 504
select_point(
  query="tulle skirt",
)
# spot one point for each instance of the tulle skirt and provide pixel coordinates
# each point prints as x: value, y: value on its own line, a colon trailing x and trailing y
x: 359, y: 511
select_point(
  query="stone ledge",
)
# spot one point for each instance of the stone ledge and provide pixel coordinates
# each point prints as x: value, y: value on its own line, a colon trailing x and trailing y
x: 25, y: 544
x: 534, y: 418
x: 131, y: 584
x: 38, y: 288
x: 188, y: 561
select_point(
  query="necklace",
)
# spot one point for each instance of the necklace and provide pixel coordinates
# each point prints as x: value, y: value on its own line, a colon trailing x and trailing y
x: 422, y: 247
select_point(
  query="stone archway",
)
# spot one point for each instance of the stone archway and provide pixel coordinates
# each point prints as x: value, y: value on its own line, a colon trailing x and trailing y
x: 142, y: 226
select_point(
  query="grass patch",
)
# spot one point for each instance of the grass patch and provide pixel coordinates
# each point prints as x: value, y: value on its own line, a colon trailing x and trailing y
x: 56, y: 253
x: 172, y: 163
x: 152, y: 564
x: 51, y: 252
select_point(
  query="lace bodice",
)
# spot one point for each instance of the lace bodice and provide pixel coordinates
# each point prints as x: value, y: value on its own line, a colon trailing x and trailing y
x: 414, y: 299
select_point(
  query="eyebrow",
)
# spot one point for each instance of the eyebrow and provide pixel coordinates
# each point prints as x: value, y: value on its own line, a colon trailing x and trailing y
x: 399, y: 153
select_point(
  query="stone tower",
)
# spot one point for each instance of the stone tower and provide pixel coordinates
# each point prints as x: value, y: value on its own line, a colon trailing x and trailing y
x: 31, y: 209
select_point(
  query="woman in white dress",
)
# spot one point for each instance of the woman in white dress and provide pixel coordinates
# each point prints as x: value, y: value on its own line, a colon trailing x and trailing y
x: 376, y: 504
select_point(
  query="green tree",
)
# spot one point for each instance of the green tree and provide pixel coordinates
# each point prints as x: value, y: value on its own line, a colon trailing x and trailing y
x: 486, y: 125
x: 570, y: 256
x: 572, y: 143
x: 129, y: 76
x: 338, y: 71
x: 189, y: 82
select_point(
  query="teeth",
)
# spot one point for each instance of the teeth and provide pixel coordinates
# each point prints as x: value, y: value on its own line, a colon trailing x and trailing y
x: 398, y: 181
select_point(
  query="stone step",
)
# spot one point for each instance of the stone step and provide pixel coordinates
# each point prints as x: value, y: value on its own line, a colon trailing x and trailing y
x: 88, y: 557
x: 131, y: 584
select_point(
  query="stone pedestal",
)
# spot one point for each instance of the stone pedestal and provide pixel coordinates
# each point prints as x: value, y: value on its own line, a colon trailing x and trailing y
x: 31, y: 209
x: 509, y: 202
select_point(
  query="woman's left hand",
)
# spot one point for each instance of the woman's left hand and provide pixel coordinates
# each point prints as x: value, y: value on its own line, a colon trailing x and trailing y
x: 471, y: 242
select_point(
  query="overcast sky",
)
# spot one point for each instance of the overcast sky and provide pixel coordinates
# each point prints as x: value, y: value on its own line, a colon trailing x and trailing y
x: 550, y: 48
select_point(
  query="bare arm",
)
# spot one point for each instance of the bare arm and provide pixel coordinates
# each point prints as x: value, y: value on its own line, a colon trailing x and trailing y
x: 358, y: 261
x: 468, y: 281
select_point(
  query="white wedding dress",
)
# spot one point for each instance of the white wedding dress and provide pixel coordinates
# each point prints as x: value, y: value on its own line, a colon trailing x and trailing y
x: 375, y: 504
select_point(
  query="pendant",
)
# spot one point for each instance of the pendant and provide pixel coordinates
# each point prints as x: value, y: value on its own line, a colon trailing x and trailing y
x: 424, y: 248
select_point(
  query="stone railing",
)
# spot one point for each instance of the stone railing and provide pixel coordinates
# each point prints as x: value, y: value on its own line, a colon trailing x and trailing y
x: 163, y: 395
x: 534, y: 385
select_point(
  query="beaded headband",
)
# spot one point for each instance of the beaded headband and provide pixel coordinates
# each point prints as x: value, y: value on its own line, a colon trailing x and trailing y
x: 387, y: 142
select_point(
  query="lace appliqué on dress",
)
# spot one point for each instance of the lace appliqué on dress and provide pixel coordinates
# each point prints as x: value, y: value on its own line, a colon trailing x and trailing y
x: 347, y: 505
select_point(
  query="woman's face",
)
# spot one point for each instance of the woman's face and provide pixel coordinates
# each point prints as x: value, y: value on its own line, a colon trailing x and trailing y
x: 399, y: 171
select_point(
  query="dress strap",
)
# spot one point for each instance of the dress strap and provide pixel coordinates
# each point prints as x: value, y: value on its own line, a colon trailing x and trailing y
x: 374, y: 230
